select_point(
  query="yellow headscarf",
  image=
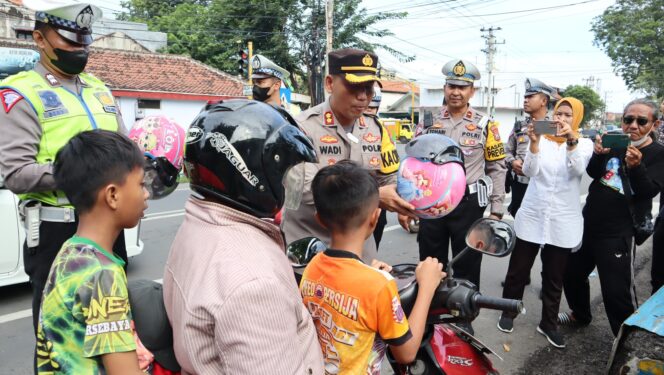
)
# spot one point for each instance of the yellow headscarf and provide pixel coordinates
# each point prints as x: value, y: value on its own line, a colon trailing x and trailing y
x: 577, y: 116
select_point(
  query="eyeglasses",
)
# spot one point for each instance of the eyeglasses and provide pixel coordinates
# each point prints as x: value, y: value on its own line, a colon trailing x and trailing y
x: 641, y: 121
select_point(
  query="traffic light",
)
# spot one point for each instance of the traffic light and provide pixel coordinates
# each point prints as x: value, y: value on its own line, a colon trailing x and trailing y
x: 243, y: 62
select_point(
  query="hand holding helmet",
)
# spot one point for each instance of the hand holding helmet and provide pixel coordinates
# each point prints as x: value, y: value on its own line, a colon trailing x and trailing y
x: 432, y: 176
x: 162, y: 141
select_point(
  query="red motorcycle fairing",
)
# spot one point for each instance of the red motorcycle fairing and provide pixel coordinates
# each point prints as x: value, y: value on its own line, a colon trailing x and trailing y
x: 456, y: 356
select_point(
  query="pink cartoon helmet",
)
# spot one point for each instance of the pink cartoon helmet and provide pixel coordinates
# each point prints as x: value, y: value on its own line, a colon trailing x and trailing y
x: 162, y: 141
x: 432, y: 177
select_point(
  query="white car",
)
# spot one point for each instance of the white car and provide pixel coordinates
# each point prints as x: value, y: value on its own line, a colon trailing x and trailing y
x: 13, y: 236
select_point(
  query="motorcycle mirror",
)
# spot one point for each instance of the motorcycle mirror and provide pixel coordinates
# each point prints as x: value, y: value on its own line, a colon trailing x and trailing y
x: 491, y: 237
x: 302, y: 251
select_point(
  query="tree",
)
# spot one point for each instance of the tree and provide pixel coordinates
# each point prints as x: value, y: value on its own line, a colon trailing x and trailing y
x: 351, y: 23
x: 630, y: 32
x: 289, y: 32
x: 593, y: 106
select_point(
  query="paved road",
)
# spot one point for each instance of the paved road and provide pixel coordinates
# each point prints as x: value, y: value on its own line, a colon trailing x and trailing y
x: 159, y: 228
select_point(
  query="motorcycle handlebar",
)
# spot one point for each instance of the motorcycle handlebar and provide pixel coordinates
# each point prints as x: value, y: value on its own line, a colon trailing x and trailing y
x: 503, y: 304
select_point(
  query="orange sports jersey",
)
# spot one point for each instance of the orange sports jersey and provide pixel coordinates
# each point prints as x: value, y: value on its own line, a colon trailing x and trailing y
x: 356, y: 310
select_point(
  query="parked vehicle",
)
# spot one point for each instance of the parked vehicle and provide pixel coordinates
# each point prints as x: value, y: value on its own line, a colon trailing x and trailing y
x: 13, y: 236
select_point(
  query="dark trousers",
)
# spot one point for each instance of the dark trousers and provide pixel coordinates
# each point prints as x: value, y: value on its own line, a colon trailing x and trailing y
x: 435, y: 234
x: 554, y: 260
x: 657, y: 267
x: 614, y: 259
x: 518, y: 191
x: 37, y: 260
x: 380, y: 227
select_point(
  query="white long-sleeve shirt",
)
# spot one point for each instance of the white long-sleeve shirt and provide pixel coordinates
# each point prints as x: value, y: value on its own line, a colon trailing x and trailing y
x: 551, y: 212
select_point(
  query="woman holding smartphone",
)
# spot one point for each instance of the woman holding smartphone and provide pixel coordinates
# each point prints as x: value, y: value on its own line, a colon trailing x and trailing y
x: 550, y: 215
x: 608, y: 234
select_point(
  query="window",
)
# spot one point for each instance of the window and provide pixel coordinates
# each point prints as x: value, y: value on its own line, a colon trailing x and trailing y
x: 23, y: 33
x: 149, y: 104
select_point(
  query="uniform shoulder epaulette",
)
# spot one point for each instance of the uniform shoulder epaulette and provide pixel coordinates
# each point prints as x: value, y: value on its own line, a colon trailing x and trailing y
x: 89, y: 77
x: 12, y: 78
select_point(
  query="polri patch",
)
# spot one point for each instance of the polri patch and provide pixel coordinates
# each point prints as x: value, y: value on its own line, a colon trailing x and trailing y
x: 52, y: 104
x: 9, y: 99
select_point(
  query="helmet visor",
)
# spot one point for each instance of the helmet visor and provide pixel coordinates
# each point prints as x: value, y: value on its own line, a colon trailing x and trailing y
x: 161, y: 177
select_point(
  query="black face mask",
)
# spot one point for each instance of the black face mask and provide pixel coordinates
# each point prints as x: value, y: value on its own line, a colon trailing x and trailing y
x: 260, y: 93
x: 70, y: 62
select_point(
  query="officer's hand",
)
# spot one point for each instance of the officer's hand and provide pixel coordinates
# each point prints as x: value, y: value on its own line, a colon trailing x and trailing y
x: 391, y: 201
x: 517, y: 166
x: 598, y: 146
x: 495, y: 217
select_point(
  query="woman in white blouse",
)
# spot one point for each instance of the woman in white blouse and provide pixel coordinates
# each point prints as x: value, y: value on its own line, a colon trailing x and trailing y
x: 550, y: 215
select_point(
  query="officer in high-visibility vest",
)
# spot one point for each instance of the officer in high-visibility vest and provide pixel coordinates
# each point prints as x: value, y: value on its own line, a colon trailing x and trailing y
x: 42, y: 109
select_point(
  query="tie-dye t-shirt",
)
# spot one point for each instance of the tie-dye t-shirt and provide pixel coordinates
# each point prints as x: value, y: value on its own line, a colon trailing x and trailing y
x: 84, y: 312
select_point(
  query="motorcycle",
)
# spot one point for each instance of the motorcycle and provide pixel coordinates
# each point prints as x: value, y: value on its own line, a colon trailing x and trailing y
x: 446, y: 348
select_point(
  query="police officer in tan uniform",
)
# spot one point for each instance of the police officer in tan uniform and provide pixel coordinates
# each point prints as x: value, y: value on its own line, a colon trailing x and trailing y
x: 484, y: 158
x: 536, y: 102
x: 340, y: 130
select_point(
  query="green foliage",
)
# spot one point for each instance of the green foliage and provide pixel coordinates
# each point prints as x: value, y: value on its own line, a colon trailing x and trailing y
x: 630, y: 32
x: 289, y: 32
x: 593, y: 106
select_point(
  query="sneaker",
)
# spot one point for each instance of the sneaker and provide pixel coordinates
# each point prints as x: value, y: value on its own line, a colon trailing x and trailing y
x: 554, y: 337
x: 506, y: 324
x: 466, y: 326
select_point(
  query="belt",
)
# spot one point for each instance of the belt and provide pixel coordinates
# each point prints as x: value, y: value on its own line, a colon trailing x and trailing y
x: 522, y: 179
x: 57, y: 214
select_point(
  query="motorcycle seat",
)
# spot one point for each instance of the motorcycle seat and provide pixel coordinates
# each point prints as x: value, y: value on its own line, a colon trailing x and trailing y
x: 404, y: 275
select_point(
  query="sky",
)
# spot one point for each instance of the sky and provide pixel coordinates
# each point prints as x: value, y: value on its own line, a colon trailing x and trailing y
x: 550, y: 41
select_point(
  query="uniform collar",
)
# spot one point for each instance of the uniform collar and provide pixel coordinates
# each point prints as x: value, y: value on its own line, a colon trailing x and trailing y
x: 330, y: 120
x: 470, y: 113
x: 54, y: 81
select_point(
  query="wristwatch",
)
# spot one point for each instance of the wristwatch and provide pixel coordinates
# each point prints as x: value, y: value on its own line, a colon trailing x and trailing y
x: 572, y: 142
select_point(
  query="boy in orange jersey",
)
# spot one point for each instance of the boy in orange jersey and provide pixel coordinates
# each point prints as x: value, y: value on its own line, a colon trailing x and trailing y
x: 355, y: 307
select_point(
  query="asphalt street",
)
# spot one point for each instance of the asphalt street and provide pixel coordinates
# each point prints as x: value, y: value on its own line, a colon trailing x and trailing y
x: 161, y: 223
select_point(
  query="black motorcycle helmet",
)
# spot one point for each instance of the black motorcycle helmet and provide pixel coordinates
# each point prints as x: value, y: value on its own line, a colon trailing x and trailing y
x: 437, y: 148
x: 239, y: 151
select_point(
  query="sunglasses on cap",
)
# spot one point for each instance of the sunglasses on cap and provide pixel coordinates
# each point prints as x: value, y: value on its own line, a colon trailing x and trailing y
x: 641, y: 121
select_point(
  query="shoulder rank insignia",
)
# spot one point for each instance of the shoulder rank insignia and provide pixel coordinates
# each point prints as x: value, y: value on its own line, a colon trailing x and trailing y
x: 363, y: 124
x: 52, y: 80
x: 329, y: 118
x: 469, y: 115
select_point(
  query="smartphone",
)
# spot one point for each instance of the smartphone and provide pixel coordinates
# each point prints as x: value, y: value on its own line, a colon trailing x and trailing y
x: 428, y: 119
x: 545, y: 127
x: 617, y: 141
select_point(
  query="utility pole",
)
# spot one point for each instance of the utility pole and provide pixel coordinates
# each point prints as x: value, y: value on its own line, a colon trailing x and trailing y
x: 250, y: 48
x: 329, y: 27
x: 490, y: 52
